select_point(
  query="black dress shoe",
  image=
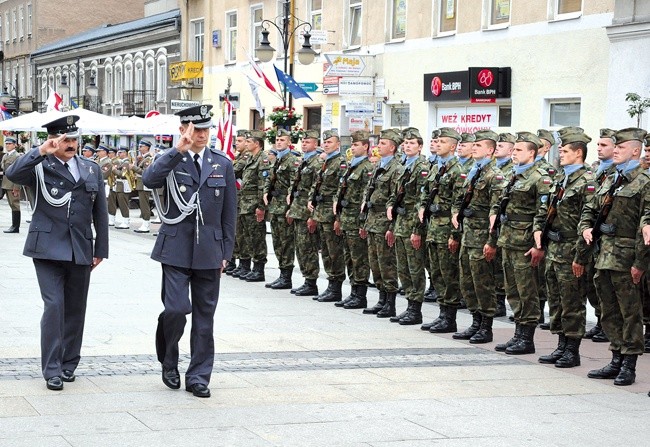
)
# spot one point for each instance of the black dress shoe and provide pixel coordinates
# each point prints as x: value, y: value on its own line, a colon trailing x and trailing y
x: 198, y: 389
x: 67, y: 375
x: 171, y: 378
x: 54, y: 383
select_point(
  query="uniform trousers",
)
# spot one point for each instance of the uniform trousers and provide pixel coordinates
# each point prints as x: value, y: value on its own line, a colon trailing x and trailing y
x: 356, y: 258
x: 383, y: 263
x: 145, y: 207
x: 331, y: 248
x: 521, y: 286
x: 410, y: 268
x: 566, y: 299
x: 254, y: 235
x: 284, y: 241
x: 477, y: 281
x: 444, y: 268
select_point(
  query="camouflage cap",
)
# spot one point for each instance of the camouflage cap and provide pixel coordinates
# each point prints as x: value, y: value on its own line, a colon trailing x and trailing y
x: 242, y: 133
x: 450, y: 133
x: 435, y: 134
x: 546, y: 135
x: 607, y: 133
x: 329, y: 134
x: 573, y: 135
x: 630, y: 134
x: 530, y: 137
x: 410, y: 133
x: 360, y: 135
x: 257, y: 134
x: 507, y: 137
x: 392, y: 135
x: 409, y: 130
x: 311, y: 133
x: 467, y: 137
x: 486, y: 134
x: 283, y: 133
x: 647, y: 140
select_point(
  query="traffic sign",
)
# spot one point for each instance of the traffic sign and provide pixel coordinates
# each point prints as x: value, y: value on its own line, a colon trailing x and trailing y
x: 308, y: 86
x: 178, y: 104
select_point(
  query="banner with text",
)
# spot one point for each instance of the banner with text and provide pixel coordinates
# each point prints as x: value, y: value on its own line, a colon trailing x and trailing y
x: 468, y: 119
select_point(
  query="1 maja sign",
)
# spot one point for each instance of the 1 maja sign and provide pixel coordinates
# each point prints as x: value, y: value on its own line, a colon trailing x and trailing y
x: 468, y: 119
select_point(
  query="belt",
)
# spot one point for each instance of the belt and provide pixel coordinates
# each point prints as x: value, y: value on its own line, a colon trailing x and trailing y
x: 469, y: 212
x: 612, y: 230
x: 562, y: 236
x: 519, y: 217
x: 279, y: 192
x: 248, y: 193
x: 441, y: 213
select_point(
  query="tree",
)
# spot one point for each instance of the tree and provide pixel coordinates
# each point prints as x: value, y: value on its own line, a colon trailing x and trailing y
x: 638, y: 106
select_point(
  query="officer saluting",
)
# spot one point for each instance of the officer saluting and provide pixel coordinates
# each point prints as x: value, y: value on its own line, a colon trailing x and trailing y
x: 69, y: 195
x: 194, y: 242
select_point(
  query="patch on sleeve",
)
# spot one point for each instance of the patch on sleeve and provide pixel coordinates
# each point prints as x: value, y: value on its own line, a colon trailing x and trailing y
x: 544, y: 199
x: 424, y: 173
x: 499, y: 177
x: 547, y: 181
x: 591, y: 188
x: 463, y: 176
x: 265, y: 173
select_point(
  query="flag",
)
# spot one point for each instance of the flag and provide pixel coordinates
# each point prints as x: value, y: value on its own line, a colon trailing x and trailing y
x: 224, y: 131
x: 53, y: 101
x: 258, y: 71
x: 291, y: 84
x: 4, y: 113
x: 74, y: 104
x: 256, y: 96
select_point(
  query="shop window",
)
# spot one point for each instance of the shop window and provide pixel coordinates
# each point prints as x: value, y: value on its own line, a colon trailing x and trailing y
x: 562, y: 113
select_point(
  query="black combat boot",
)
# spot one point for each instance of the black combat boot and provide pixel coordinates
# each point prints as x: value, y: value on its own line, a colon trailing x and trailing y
x: 542, y: 323
x: 230, y: 266
x: 501, y: 347
x: 414, y: 316
x: 600, y: 337
x: 396, y: 318
x: 447, y: 324
x: 309, y: 288
x: 558, y: 353
x: 609, y: 371
x: 484, y: 334
x: 284, y: 281
x: 326, y: 292
x: 347, y: 299
x: 431, y: 296
x: 359, y: 301
x: 646, y: 339
x: 334, y: 294
x: 389, y: 308
x: 594, y: 330
x: 15, y: 223
x: 243, y: 269
x: 377, y: 307
x: 526, y: 342
x: 501, y: 306
x: 627, y: 375
x: 256, y: 275
x: 571, y: 356
x: 428, y: 326
x: 470, y: 331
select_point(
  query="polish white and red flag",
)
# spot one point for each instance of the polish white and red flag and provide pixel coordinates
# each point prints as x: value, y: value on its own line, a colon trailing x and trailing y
x: 260, y: 74
x: 53, y: 101
x: 224, y: 130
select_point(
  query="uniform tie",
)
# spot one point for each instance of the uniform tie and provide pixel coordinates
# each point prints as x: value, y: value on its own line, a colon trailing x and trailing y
x: 67, y: 166
x: 197, y: 164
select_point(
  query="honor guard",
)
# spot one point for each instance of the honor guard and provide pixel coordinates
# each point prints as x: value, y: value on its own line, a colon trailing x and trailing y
x: 143, y: 161
x: 123, y: 185
x: 11, y: 190
x: 88, y: 151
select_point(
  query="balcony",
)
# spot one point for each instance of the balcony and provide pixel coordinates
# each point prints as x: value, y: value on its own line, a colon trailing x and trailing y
x: 138, y: 102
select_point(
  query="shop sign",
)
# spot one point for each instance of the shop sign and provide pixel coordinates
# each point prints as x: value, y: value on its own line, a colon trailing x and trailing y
x: 468, y: 119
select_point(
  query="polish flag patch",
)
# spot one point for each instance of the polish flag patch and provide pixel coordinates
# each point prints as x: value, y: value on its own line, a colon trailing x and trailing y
x: 591, y: 188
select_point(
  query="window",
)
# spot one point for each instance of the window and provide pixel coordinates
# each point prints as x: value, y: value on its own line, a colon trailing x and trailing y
x: 257, y: 15
x: 447, y: 17
x: 139, y: 75
x: 128, y: 76
x: 397, y: 19
x: 315, y: 16
x: 118, y: 84
x: 354, y: 23
x: 21, y: 81
x: 505, y: 116
x: 498, y: 13
x: 400, y: 115
x: 21, y: 23
x: 14, y: 21
x: 108, y: 84
x: 198, y: 31
x: 231, y: 36
x: 29, y: 91
x: 44, y: 87
x: 313, y: 118
x: 565, y: 112
x: 7, y: 28
x: 29, y: 20
x: 161, y: 84
x: 564, y: 9
x: 149, y: 75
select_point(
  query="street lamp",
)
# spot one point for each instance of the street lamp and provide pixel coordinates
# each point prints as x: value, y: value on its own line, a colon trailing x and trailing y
x: 5, y: 97
x: 283, y: 23
x: 64, y: 90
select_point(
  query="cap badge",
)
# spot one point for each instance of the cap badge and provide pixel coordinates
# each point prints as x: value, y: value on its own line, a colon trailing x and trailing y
x: 204, y: 110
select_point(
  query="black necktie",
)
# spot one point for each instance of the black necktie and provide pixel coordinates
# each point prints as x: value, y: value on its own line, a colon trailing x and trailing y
x: 197, y: 164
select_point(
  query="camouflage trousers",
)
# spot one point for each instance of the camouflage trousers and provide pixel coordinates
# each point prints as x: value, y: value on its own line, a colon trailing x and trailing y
x: 410, y: 268
x: 331, y: 249
x: 356, y: 258
x: 477, y: 281
x: 307, y: 249
x: 622, y: 310
x: 236, y: 253
x: 254, y: 235
x: 383, y: 263
x: 566, y: 299
x: 521, y: 287
x: 497, y: 268
x: 145, y: 207
x: 590, y: 288
x: 540, y: 272
x: 444, y: 271
x: 284, y: 241
x: 645, y: 296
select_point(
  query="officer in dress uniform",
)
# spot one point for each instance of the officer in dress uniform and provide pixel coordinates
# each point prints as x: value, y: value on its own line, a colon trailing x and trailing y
x: 11, y: 190
x: 69, y: 197
x: 194, y: 242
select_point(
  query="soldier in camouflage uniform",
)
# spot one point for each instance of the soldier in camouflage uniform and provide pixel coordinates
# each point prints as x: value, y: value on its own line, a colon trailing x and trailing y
x: 566, y: 252
x: 623, y: 256
x: 478, y: 194
x: 445, y: 178
x: 346, y: 208
x: 431, y: 295
x: 305, y: 228
x: 322, y: 196
x: 378, y: 229
x: 645, y: 289
x: 276, y: 189
x: 465, y: 150
x: 606, y: 167
x: 252, y: 209
x: 520, y: 215
x: 241, y: 157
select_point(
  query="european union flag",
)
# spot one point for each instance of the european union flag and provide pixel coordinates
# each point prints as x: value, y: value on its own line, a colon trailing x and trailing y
x: 290, y: 84
x: 74, y: 104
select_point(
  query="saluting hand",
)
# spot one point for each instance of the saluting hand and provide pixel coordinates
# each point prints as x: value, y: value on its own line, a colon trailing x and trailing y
x: 51, y: 145
x: 646, y: 234
x: 185, y: 142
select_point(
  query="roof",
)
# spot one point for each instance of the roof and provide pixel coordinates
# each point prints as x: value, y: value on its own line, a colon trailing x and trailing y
x: 108, y: 31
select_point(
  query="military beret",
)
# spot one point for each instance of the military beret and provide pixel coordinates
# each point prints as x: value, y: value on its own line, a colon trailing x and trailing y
x: 10, y: 140
x: 607, y: 133
x: 329, y: 134
x: 242, y: 133
x: 573, y: 135
x: 283, y: 133
x: 360, y: 135
x: 392, y: 135
x: 311, y: 133
x: 435, y: 134
x: 630, y: 134
x: 144, y: 143
x: 467, y: 137
x: 546, y: 135
x: 410, y: 133
x: 530, y: 138
x: 64, y: 125
x: 257, y: 134
x: 486, y: 134
x: 507, y: 137
x: 197, y: 115
x: 450, y: 133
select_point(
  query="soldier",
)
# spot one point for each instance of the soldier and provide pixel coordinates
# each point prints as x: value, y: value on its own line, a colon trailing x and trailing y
x: 12, y: 190
x: 305, y: 227
x: 106, y: 166
x: 519, y: 213
x: 241, y: 157
x: 377, y: 228
x: 431, y: 295
x: 611, y: 219
x: 252, y: 210
x: 402, y: 211
x: 123, y: 185
x: 276, y: 189
x: 465, y: 150
x: 566, y: 252
x: 144, y: 194
x: 470, y: 214
x: 320, y: 204
x: 88, y: 151
x: 346, y: 209
x: 110, y: 181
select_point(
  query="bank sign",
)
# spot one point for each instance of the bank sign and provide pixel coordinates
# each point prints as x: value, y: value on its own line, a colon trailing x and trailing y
x: 478, y: 84
x: 449, y: 86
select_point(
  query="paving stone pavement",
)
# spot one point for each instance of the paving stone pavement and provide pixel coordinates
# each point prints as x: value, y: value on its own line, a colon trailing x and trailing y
x: 290, y: 371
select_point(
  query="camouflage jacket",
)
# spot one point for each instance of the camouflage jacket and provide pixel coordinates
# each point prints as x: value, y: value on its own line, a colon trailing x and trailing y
x: 405, y: 214
x: 440, y: 228
x: 278, y: 182
x: 331, y: 172
x: 601, y: 177
x: 624, y: 248
x: 350, y: 194
x: 305, y: 177
x: 386, y: 181
x: 571, y: 247
x: 239, y: 163
x: 551, y: 170
x: 253, y: 178
x: 523, y: 214
x: 506, y: 168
